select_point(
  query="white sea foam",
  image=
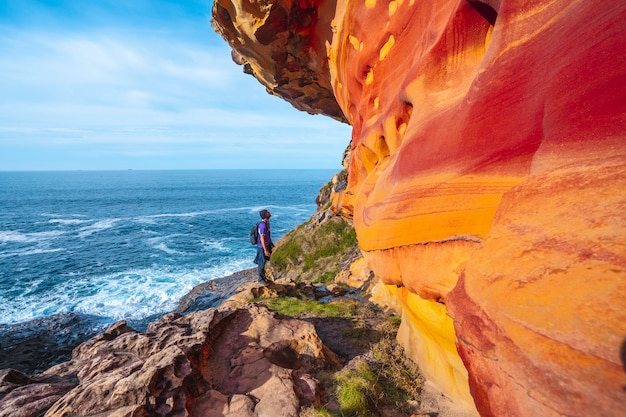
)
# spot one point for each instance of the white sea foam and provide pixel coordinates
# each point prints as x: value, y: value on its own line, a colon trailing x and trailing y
x: 11, y: 236
x: 8, y: 236
x: 163, y: 247
x: 150, y: 219
x: 159, y: 243
x: 166, y: 215
x: 97, y: 227
x: 28, y: 252
x: 131, y: 295
x: 217, y: 245
x: 67, y: 221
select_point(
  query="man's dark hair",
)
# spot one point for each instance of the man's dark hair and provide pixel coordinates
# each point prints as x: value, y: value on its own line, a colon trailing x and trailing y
x: 263, y: 213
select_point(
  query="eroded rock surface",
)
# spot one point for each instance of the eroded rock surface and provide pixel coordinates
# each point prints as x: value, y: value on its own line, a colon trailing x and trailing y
x: 283, y: 44
x: 486, y: 180
x: 242, y: 362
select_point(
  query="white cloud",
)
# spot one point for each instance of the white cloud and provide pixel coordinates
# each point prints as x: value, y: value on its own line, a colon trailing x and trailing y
x: 136, y: 90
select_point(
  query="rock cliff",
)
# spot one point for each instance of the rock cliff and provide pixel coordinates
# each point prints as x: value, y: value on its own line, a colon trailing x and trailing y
x: 486, y: 179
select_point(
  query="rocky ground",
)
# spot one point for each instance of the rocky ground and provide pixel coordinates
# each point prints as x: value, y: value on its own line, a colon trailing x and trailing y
x: 241, y: 359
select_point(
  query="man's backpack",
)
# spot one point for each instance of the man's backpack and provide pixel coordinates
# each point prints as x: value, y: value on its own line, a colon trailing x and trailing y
x: 254, y: 234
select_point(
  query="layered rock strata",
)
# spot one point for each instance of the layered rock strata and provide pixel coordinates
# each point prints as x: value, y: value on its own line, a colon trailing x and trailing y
x: 486, y: 179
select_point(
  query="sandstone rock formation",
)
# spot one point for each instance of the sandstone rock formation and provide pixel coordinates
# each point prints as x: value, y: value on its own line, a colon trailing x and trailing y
x: 284, y: 48
x: 486, y: 179
x: 219, y: 362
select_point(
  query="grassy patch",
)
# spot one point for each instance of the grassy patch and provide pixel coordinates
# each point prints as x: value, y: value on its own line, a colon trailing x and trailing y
x: 380, y: 377
x: 293, y: 306
x: 328, y: 276
x: 384, y: 378
x: 289, y: 253
x: 314, y: 252
x: 357, y: 390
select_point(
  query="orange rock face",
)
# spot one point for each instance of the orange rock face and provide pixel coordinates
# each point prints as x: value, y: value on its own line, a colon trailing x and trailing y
x: 487, y: 178
x: 539, y: 309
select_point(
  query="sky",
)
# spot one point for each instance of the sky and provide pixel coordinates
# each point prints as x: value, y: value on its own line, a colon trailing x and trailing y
x: 141, y: 84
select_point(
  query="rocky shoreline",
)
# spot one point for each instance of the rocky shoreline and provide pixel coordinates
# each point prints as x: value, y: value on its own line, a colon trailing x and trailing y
x: 34, y: 346
x: 238, y: 359
x: 217, y: 354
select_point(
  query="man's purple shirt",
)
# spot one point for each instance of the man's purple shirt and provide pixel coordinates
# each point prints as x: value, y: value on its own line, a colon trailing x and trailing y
x: 264, y: 230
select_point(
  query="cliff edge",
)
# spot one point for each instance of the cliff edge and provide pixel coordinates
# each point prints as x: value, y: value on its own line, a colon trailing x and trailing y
x: 486, y: 179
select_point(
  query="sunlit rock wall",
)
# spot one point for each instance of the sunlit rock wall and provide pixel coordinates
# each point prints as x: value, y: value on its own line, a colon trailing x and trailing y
x: 487, y: 180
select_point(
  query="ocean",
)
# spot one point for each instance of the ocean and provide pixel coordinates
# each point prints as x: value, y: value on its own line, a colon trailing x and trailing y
x: 130, y: 244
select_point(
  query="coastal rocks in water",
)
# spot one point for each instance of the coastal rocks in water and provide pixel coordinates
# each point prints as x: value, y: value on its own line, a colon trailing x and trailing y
x: 486, y: 180
x: 33, y: 346
x: 211, y: 294
x: 243, y: 362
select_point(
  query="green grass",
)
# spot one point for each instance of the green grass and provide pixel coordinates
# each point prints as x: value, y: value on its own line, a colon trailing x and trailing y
x: 395, y: 320
x: 315, y: 412
x: 314, y: 252
x: 288, y: 253
x: 357, y: 390
x: 333, y: 238
x: 293, y: 306
x: 327, y: 277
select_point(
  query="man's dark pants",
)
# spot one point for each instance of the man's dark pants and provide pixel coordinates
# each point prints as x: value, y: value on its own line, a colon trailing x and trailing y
x: 260, y: 260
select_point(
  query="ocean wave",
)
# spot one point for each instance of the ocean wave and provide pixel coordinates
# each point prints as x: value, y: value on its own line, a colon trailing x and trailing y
x: 12, y: 236
x: 29, y: 252
x: 159, y: 243
x: 97, y: 227
x: 67, y: 221
x: 189, y: 214
x: 163, y: 247
x: 47, y: 214
x: 218, y: 245
x: 130, y: 295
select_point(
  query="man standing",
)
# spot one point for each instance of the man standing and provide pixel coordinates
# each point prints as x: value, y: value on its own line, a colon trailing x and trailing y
x: 265, y: 244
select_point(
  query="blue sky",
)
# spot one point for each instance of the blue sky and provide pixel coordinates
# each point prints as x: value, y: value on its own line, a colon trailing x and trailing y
x: 134, y: 84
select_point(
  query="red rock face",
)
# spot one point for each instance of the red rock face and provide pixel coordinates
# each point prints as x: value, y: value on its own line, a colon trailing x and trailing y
x: 487, y: 173
x: 449, y: 113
